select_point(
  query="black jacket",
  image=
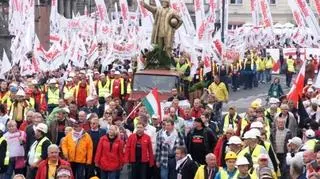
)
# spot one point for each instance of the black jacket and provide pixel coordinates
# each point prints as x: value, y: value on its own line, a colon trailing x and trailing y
x: 187, y: 169
x: 3, y: 149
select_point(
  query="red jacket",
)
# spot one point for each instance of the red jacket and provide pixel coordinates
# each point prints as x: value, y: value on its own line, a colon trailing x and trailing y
x: 109, y: 157
x: 196, y: 113
x: 146, y: 149
x: 218, y: 150
x: 43, y: 168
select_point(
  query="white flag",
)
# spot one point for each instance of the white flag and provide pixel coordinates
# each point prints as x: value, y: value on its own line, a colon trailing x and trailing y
x: 6, y: 64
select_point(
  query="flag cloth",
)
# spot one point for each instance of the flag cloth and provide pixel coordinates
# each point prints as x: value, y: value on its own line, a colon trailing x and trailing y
x: 6, y: 64
x: 152, y: 103
x: 297, y: 87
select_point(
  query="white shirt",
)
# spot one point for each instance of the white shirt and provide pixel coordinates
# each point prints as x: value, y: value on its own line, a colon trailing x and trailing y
x: 15, y: 148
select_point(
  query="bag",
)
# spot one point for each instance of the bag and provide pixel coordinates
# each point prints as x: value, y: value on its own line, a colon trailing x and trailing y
x: 20, y: 162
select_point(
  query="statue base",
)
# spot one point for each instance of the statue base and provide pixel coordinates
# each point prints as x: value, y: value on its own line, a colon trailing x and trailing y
x: 158, y: 59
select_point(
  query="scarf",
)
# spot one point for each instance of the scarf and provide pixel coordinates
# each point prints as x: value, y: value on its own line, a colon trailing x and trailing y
x: 181, y: 161
x: 171, y: 139
x: 77, y: 135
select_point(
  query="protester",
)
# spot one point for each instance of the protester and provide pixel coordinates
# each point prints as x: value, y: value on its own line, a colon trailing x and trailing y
x: 49, y: 168
x: 16, y: 140
x: 77, y: 148
x: 209, y: 170
x: 57, y: 126
x: 243, y: 167
x: 139, y: 153
x: 230, y: 170
x: 186, y: 167
x: 109, y: 156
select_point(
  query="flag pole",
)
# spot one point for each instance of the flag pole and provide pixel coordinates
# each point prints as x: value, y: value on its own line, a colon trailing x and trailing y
x: 133, y: 110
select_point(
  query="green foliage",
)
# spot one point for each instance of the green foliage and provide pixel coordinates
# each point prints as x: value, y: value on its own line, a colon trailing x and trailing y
x: 158, y: 59
x: 197, y: 86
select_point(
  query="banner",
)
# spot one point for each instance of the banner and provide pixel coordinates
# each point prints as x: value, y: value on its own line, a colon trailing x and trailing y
x: 266, y: 13
x: 254, y: 6
x: 317, y: 4
x: 275, y: 54
x: 200, y: 18
x: 124, y: 12
x: 308, y: 16
x: 102, y: 10
x: 297, y: 16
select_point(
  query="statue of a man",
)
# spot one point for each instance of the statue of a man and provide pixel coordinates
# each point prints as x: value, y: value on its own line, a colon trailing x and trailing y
x: 166, y: 22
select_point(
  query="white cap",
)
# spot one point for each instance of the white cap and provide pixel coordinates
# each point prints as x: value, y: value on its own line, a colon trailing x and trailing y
x: 2, y: 127
x: 83, y: 71
x: 256, y: 124
x: 263, y: 156
x: 310, y: 133
x: 256, y: 132
x: 234, y: 140
x: 72, y: 74
x: 130, y: 70
x: 42, y: 127
x: 154, y: 116
x: 89, y: 98
x: 21, y: 93
x: 274, y: 101
x: 52, y: 81
x: 296, y: 140
x: 309, y: 81
x: 314, y: 101
x: 242, y: 161
x: 117, y: 73
x: 69, y: 79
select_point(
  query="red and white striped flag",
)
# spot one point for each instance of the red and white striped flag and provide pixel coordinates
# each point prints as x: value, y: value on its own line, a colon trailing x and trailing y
x: 297, y: 87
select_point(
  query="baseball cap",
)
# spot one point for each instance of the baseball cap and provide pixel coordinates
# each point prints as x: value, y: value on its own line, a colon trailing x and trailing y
x: 42, y: 127
x: 295, y: 140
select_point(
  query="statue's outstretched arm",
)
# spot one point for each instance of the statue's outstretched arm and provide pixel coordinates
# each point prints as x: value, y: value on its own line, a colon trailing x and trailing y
x: 152, y: 9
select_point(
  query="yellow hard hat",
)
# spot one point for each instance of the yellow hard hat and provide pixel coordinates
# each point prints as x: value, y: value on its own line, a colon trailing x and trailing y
x: 230, y: 155
x: 256, y: 103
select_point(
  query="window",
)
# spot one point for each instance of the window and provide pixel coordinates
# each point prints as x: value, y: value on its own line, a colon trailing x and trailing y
x: 272, y: 2
x: 235, y: 1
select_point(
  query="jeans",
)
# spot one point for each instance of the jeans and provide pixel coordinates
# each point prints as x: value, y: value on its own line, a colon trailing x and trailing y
x: 109, y: 174
x: 164, y: 172
x: 11, y: 168
x: 79, y: 170
x: 268, y: 75
x: 283, y: 166
x: 139, y: 170
x: 260, y: 76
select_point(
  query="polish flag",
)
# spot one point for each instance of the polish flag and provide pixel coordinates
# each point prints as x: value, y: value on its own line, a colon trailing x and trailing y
x: 297, y: 87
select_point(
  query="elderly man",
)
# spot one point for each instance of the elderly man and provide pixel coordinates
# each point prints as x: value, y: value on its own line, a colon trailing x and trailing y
x: 91, y: 105
x: 294, y: 147
x: 48, y: 168
x: 57, y: 126
x: 279, y: 138
x: 290, y: 120
x: 38, y: 150
x: 31, y: 128
x: 209, y: 170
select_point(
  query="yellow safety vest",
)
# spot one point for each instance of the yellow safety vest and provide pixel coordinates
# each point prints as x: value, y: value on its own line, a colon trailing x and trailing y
x: 311, y: 143
x: 32, y: 102
x: 254, y: 155
x: 38, y: 150
x: 226, y: 122
x: 5, y: 97
x: 53, y: 96
x: 103, y: 89
x: 129, y: 88
x: 6, y: 159
x: 68, y: 92
x: 224, y: 174
x: 267, y: 145
x: 244, y: 124
x: 121, y: 86
x: 290, y: 64
x: 269, y: 63
x: 182, y: 69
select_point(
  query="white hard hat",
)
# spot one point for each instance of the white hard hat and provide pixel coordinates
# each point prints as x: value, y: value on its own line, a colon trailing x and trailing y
x: 242, y: 161
x: 42, y: 127
x: 256, y: 124
x: 21, y: 93
x: 2, y: 127
x: 52, y: 81
x: 309, y: 81
x: 296, y: 140
x: 34, y: 82
x: 117, y: 73
x: 130, y: 70
x: 234, y: 140
x: 89, y: 98
x: 69, y: 79
x: 154, y: 116
x: 249, y: 135
x: 310, y: 133
x: 274, y: 101
x: 256, y: 132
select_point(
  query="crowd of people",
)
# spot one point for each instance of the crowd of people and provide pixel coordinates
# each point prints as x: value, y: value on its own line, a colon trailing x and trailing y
x: 51, y: 126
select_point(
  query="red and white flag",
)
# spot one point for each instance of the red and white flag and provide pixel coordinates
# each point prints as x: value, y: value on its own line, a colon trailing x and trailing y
x: 308, y: 16
x: 297, y: 16
x: 207, y: 65
x: 317, y: 4
x: 266, y: 13
x: 102, y: 10
x: 124, y: 12
x: 297, y: 87
x: 254, y: 7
